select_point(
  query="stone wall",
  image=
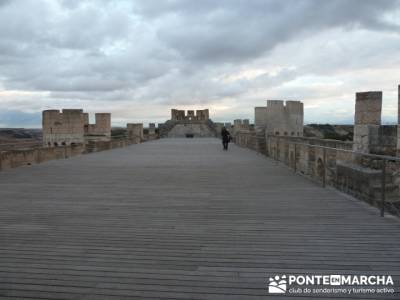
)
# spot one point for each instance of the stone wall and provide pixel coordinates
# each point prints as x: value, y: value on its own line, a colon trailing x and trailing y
x: 309, y: 154
x: 260, y: 117
x: 367, y: 120
x: 369, y: 135
x: 383, y: 140
x: 280, y: 118
x: 102, y: 127
x: 252, y: 140
x: 151, y: 133
x: 71, y: 126
x: 191, y: 129
x: 330, y: 162
x: 286, y: 120
x: 368, y: 108
x: 188, y: 128
x: 63, y: 128
x: 135, y: 132
x: 18, y: 158
x: 191, y: 115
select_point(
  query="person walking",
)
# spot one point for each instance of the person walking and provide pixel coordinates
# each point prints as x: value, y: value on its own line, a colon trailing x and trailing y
x: 226, y: 137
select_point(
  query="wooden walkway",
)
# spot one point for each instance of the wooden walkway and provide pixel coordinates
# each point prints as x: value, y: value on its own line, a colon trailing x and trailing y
x: 180, y: 219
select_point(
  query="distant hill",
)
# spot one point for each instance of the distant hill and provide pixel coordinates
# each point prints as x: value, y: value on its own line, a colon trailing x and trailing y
x: 16, y: 138
x: 20, y: 133
x: 328, y: 131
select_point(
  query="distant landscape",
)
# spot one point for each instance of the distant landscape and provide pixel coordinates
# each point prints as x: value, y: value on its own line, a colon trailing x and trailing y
x: 327, y: 131
x: 19, y: 138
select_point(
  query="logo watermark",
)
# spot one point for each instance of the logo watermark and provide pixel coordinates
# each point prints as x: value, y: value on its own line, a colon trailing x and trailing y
x: 277, y: 284
x: 330, y: 284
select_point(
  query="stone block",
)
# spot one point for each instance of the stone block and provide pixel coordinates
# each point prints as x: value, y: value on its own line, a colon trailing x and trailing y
x: 368, y: 108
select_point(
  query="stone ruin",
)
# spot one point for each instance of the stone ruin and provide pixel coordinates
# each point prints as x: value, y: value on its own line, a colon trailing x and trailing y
x: 276, y: 119
x: 370, y: 136
x: 347, y: 165
x: 179, y: 115
x: 135, y: 132
x: 238, y: 125
x: 71, y: 126
x: 190, y: 124
x: 280, y: 119
x: 68, y: 133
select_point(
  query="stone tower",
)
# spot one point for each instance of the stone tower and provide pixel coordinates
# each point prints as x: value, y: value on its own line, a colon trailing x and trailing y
x: 63, y: 128
x: 286, y: 120
x: 103, y: 124
x: 135, y: 132
x: 71, y: 126
x: 367, y: 120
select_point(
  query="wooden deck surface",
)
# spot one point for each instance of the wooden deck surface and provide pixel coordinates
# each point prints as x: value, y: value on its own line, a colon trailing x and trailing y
x: 180, y: 219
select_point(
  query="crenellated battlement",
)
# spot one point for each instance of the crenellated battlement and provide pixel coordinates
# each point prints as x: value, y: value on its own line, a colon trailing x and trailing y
x: 190, y: 115
x: 71, y: 126
x: 280, y: 118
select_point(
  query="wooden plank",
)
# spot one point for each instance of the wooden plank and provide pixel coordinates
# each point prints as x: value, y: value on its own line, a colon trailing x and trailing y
x: 179, y: 219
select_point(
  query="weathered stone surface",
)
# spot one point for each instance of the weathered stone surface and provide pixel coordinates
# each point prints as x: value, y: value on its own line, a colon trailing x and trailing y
x: 384, y: 141
x: 71, y: 126
x: 368, y: 108
x: 26, y: 157
x: 260, y: 117
x: 280, y: 119
x: 191, y: 124
x: 353, y: 173
x: 367, y: 120
x: 152, y: 128
x: 191, y: 129
x: 362, y: 137
x: 135, y: 132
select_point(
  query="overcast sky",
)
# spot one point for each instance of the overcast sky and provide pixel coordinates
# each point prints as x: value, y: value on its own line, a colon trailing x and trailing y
x: 139, y: 59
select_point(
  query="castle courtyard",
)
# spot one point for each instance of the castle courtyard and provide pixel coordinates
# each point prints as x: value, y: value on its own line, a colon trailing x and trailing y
x: 180, y: 219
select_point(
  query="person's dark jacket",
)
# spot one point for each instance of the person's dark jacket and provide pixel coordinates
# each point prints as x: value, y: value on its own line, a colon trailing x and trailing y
x: 226, y: 136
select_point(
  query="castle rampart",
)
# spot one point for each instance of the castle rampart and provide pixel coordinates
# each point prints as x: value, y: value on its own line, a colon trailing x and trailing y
x: 191, y: 115
x: 71, y: 126
x: 135, y: 132
x: 192, y: 123
x: 278, y: 118
x: 367, y: 121
x: 260, y: 117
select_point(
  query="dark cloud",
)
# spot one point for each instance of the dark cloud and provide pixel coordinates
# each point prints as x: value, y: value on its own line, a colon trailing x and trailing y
x: 187, y: 52
x: 234, y: 31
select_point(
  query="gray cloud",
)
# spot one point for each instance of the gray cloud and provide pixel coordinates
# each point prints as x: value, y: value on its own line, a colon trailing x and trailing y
x: 177, y: 52
x: 233, y: 31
